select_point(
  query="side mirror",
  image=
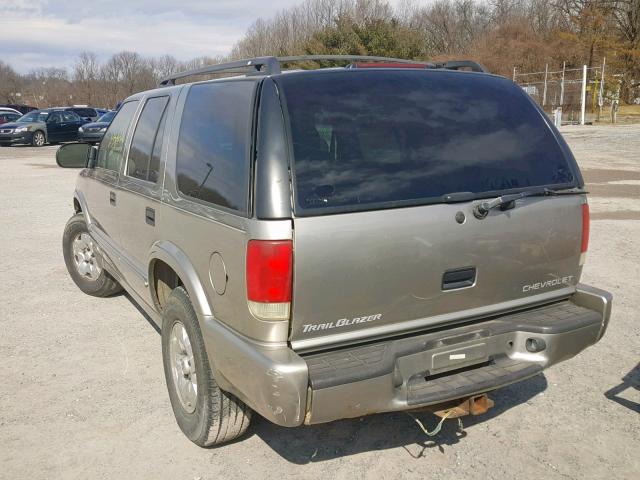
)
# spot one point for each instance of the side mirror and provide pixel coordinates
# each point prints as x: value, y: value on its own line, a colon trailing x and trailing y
x: 76, y: 155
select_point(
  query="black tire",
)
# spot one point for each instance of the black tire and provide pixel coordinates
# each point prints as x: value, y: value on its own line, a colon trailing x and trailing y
x: 104, y: 285
x: 219, y: 417
x: 38, y: 139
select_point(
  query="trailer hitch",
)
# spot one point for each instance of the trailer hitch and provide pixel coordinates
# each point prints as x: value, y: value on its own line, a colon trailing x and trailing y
x: 474, y: 405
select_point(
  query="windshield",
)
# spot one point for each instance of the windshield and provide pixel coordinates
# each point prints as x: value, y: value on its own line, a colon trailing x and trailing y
x: 370, y: 139
x: 35, y: 116
x: 107, y: 117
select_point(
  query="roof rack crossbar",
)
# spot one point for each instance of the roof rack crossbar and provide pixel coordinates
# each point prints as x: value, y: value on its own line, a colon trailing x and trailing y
x: 346, y: 58
x: 460, y: 64
x: 272, y: 65
x: 254, y: 66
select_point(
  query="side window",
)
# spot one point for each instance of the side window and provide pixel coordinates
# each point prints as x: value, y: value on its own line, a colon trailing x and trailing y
x: 213, y: 144
x: 112, y: 145
x: 69, y: 117
x: 54, y: 118
x: 144, y: 153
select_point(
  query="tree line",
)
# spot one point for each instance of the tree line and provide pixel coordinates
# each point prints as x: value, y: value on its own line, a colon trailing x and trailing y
x: 501, y: 34
x: 91, y: 82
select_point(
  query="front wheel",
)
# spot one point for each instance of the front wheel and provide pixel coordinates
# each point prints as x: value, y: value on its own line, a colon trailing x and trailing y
x: 38, y: 139
x: 84, y: 261
x: 206, y: 414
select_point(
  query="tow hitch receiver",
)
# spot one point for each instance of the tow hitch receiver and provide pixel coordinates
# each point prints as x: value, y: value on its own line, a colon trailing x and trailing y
x: 475, y: 405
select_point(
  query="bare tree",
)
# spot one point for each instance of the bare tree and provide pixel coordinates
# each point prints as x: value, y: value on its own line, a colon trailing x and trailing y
x: 86, y: 74
x: 9, y: 83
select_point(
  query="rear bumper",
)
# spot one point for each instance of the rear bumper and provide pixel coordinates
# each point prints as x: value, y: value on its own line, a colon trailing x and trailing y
x: 405, y: 373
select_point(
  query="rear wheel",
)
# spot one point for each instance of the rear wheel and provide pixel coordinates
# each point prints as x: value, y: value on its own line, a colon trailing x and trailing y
x: 205, y: 414
x: 38, y: 139
x: 84, y: 261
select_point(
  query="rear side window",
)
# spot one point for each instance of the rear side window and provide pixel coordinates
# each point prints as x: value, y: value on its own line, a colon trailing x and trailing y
x: 85, y: 112
x: 374, y: 139
x: 55, y: 117
x: 144, y: 153
x: 70, y: 117
x: 111, y: 151
x: 213, y: 144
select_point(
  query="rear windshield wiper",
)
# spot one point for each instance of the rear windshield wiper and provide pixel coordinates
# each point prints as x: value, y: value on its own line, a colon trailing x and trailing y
x: 506, y: 202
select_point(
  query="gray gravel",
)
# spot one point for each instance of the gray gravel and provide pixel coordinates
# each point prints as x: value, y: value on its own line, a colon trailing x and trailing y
x: 83, y: 392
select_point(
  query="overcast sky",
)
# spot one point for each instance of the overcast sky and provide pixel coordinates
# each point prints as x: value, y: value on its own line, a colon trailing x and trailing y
x: 51, y: 33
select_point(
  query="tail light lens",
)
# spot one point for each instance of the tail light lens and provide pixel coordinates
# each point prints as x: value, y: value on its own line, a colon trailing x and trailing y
x: 585, y: 233
x: 269, y: 278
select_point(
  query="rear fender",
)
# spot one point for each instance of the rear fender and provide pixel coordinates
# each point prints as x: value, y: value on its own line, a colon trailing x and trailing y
x: 170, y: 254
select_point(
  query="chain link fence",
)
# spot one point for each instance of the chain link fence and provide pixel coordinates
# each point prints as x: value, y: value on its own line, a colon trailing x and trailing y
x: 573, y: 95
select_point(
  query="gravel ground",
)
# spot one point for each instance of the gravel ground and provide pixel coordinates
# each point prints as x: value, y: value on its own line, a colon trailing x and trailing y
x: 83, y: 392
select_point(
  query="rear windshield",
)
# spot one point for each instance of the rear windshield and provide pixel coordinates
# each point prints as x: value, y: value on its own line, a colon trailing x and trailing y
x: 375, y: 139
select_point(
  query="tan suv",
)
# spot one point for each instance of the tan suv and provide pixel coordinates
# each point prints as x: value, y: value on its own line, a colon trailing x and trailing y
x: 331, y: 243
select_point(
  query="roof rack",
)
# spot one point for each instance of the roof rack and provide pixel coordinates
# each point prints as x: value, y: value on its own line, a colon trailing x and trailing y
x: 461, y: 64
x: 272, y: 65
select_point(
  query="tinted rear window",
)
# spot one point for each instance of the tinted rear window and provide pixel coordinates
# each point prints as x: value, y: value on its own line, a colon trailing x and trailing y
x: 369, y: 139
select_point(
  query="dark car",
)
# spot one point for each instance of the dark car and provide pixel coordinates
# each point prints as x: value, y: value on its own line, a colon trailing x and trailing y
x: 7, y: 117
x: 89, y: 114
x: 41, y: 126
x: 20, y: 107
x: 93, y: 132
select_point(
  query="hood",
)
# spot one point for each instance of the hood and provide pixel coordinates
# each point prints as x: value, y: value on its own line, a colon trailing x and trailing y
x: 13, y: 125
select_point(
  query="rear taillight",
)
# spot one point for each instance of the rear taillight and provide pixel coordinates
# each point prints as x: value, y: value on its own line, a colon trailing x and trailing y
x: 269, y: 278
x: 585, y: 233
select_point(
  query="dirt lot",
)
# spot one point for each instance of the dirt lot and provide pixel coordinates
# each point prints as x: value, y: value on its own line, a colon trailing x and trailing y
x: 83, y: 393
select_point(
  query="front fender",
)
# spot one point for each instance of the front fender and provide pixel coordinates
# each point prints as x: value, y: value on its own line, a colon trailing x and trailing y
x: 84, y: 209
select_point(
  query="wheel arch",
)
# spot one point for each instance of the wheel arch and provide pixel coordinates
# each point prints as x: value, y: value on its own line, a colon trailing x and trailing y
x: 44, y: 132
x: 167, y: 253
x: 80, y: 206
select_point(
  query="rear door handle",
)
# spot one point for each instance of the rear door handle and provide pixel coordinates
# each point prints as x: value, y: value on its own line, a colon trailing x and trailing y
x: 150, y: 216
x: 112, y: 198
x: 459, y: 278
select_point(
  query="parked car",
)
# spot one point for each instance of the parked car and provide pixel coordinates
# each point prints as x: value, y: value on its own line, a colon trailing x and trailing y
x: 93, y: 132
x: 326, y: 244
x: 41, y: 126
x: 19, y: 107
x: 89, y: 114
x: 9, y: 110
x: 7, y: 116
